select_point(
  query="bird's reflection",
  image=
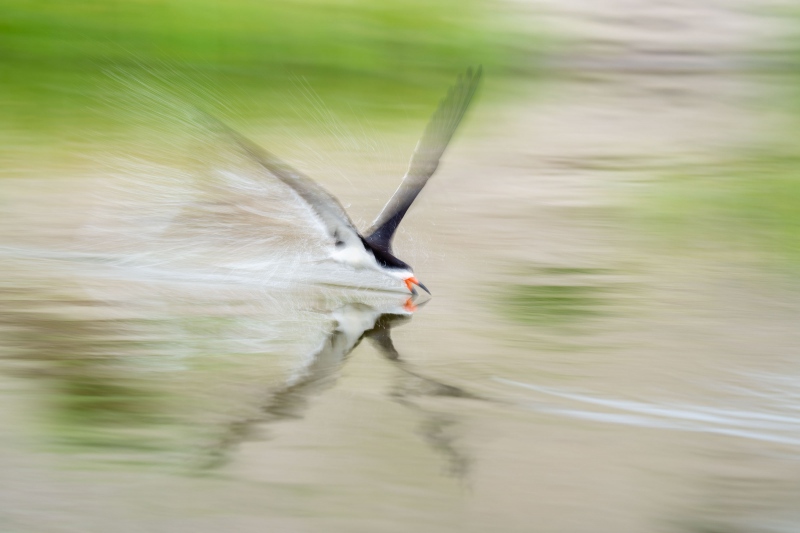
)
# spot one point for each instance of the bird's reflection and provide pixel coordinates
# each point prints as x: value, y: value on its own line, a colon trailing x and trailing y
x: 437, y: 429
x: 352, y: 323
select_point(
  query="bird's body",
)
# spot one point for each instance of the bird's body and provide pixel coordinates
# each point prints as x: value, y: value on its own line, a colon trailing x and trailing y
x: 373, y: 249
x: 360, y: 255
x: 356, y: 256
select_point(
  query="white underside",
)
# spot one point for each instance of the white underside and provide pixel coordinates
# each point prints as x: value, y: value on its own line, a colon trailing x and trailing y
x: 356, y: 256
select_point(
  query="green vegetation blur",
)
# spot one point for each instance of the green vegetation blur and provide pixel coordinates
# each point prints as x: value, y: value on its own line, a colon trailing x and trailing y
x: 747, y: 204
x: 379, y: 59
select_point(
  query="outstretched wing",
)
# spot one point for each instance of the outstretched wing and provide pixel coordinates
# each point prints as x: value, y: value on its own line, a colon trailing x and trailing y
x: 324, y: 205
x: 425, y: 160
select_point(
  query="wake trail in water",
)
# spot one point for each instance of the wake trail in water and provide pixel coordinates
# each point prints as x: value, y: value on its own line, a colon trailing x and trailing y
x: 755, y: 425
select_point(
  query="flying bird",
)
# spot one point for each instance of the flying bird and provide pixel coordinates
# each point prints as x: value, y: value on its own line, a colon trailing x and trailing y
x: 373, y: 248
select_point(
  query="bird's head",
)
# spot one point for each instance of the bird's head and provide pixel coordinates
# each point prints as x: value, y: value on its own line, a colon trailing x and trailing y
x: 399, y: 270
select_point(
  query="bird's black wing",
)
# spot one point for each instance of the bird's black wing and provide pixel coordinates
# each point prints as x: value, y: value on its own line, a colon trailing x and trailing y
x: 425, y: 160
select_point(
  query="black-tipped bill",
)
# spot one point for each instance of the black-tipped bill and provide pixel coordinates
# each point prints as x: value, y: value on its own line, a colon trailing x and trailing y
x: 424, y: 288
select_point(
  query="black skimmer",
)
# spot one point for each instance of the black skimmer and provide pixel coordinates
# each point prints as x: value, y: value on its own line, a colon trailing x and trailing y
x: 373, y: 248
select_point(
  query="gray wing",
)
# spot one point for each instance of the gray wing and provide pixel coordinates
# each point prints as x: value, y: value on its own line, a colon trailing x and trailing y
x: 324, y: 205
x: 425, y: 160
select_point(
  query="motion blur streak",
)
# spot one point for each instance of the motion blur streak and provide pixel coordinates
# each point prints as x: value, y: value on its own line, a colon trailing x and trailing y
x: 612, y: 238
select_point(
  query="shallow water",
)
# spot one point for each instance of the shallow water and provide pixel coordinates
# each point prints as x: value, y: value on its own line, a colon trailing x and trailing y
x: 168, y: 364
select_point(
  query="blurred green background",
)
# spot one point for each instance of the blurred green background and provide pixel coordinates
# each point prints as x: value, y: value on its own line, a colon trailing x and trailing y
x: 389, y: 59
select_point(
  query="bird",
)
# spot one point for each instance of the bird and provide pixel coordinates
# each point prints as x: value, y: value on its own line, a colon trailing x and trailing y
x: 372, y: 249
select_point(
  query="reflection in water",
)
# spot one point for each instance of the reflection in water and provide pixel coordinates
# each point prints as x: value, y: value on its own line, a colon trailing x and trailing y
x: 436, y: 429
x: 93, y: 393
x: 120, y: 383
x: 352, y: 323
x: 560, y: 297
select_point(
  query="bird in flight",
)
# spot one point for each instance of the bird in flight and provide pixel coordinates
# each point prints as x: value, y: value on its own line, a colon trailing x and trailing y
x: 373, y: 248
